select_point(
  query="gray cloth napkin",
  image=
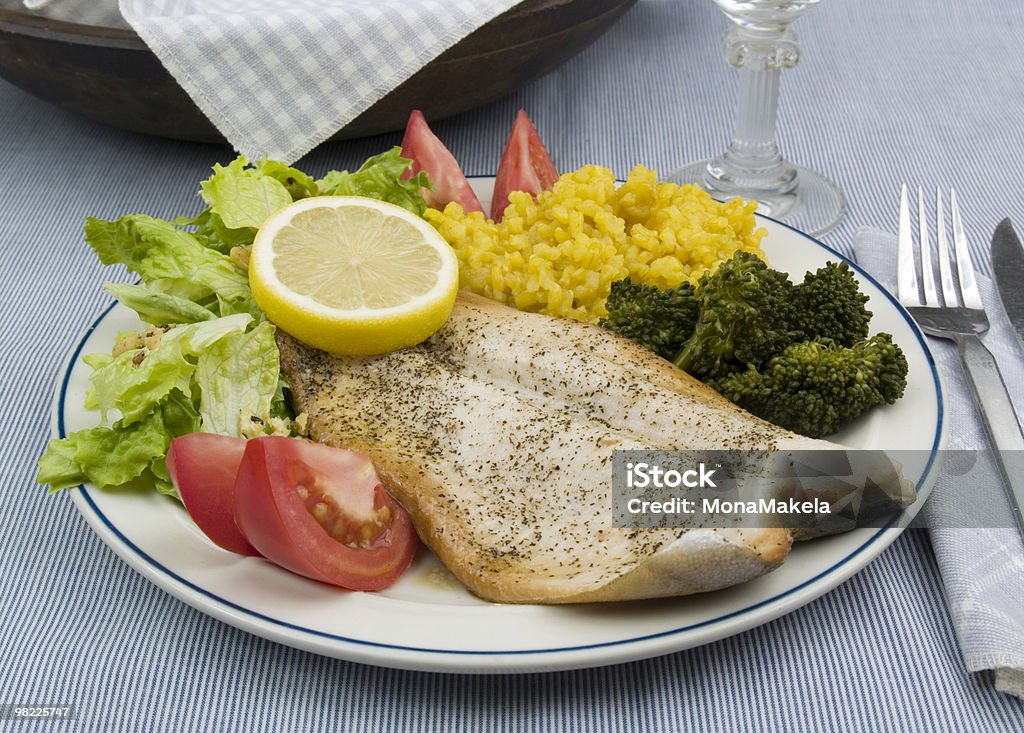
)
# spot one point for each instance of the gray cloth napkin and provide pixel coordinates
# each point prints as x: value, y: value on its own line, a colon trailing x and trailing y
x: 982, y: 567
x: 278, y: 77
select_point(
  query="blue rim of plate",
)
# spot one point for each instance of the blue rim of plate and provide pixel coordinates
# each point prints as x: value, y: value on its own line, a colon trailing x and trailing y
x: 285, y: 625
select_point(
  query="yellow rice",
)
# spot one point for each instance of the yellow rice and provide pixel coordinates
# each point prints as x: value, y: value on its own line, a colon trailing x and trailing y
x: 560, y: 254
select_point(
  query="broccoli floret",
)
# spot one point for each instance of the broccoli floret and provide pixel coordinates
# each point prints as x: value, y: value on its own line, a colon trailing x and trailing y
x: 660, y: 320
x: 829, y: 305
x: 796, y: 355
x: 746, y: 316
x: 816, y: 387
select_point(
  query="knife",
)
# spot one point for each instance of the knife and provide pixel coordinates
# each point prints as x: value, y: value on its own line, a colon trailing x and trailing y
x: 1008, y: 267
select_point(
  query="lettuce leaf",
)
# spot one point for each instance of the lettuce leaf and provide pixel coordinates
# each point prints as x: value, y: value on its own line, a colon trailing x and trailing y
x: 120, y: 454
x: 136, y: 381
x: 172, y: 261
x: 211, y: 231
x: 380, y: 177
x: 159, y: 309
x: 243, y: 196
x: 299, y: 184
x: 238, y: 374
x: 58, y: 467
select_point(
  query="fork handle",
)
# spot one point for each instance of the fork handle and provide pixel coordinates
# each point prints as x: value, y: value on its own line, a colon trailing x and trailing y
x: 1001, y: 422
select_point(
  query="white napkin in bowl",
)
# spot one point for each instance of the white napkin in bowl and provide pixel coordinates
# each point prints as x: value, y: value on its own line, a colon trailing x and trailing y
x: 104, y: 13
x: 278, y: 77
x: 982, y: 568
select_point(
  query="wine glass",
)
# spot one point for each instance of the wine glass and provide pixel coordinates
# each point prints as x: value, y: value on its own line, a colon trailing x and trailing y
x: 760, y: 44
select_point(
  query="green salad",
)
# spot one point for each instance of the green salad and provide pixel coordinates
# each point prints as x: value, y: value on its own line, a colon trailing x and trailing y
x: 207, y: 360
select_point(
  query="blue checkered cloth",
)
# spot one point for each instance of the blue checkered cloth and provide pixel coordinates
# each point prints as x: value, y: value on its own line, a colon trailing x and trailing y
x: 885, y: 92
x: 278, y: 77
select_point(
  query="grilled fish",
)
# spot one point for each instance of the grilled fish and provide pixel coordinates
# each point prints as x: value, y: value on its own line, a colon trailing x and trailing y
x: 497, y: 434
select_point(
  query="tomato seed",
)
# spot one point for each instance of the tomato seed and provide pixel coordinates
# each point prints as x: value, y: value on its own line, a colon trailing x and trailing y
x: 326, y: 512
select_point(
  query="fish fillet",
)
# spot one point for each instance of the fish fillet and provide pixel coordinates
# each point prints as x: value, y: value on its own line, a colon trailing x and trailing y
x: 497, y: 434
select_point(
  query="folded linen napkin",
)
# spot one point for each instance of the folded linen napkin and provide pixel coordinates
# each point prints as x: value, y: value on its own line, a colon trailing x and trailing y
x: 278, y: 77
x: 982, y: 567
x: 103, y: 13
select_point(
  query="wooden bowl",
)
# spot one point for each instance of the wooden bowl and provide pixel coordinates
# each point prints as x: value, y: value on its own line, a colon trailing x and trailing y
x: 109, y: 75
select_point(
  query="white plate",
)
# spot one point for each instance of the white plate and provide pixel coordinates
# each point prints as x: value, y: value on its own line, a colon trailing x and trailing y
x: 427, y: 621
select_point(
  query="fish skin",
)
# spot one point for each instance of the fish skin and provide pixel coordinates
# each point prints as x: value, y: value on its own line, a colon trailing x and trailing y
x: 497, y: 433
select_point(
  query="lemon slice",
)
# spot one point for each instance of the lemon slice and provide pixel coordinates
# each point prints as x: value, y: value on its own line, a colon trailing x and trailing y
x: 353, y: 275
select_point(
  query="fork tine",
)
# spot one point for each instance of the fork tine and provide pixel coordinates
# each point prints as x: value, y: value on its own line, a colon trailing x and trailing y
x: 945, y: 270
x: 968, y: 285
x: 906, y: 268
x: 927, y: 266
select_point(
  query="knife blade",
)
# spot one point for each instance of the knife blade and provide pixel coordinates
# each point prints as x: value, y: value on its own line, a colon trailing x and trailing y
x: 1008, y: 267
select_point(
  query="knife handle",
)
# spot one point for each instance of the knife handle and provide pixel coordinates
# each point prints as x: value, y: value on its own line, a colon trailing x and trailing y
x: 1001, y: 422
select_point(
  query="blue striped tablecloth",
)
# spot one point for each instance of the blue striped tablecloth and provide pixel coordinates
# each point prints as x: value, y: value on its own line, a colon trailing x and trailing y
x: 915, y: 90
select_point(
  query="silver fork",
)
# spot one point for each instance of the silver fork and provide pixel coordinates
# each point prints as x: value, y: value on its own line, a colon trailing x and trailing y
x: 954, y: 311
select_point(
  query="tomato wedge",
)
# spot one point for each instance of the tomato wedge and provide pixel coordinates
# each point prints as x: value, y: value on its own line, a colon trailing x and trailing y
x: 203, y: 468
x: 429, y: 154
x: 322, y: 512
x: 525, y: 166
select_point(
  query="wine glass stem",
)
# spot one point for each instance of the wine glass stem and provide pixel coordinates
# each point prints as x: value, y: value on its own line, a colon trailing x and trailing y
x: 757, y: 104
x: 752, y: 163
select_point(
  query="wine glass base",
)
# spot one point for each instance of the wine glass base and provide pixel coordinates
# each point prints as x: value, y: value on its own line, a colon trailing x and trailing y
x: 815, y: 206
